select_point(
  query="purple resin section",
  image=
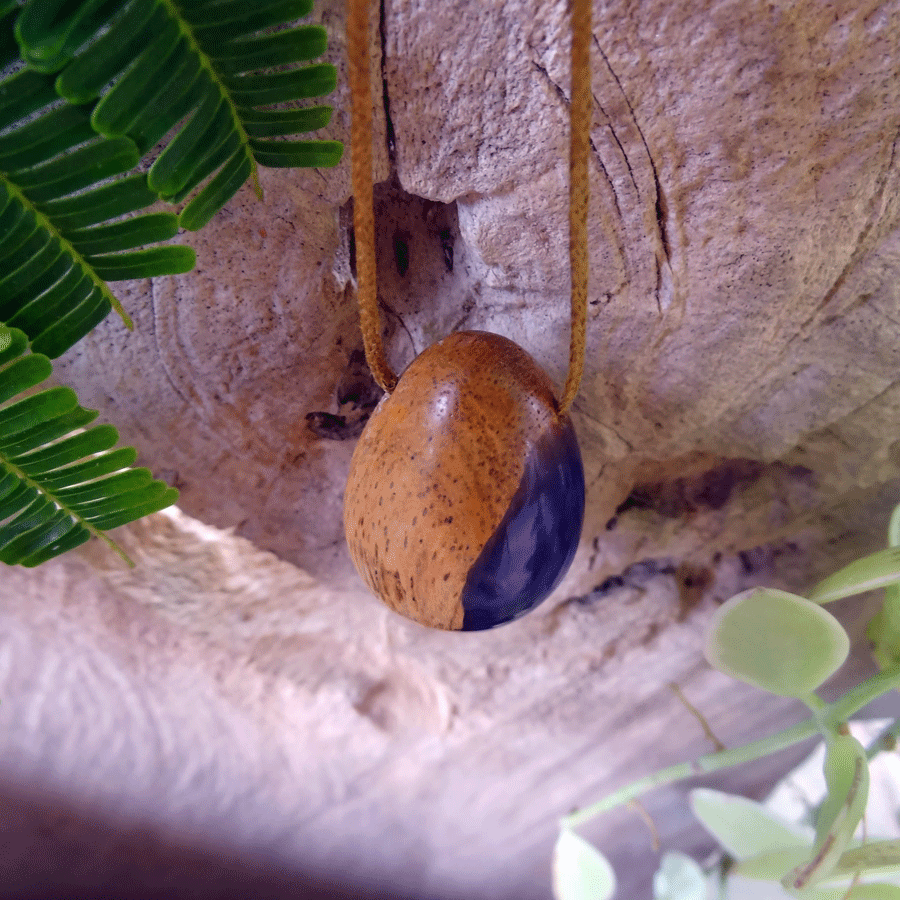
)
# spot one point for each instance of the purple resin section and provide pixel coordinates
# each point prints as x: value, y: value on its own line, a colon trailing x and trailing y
x: 534, y: 544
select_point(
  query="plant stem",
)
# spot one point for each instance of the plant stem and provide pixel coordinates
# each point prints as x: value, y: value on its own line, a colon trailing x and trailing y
x: 830, y: 716
x: 819, y: 708
x: 885, y: 742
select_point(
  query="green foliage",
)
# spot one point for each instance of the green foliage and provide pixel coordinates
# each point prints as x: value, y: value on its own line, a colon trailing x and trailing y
x: 147, y: 66
x: 679, y: 878
x: 60, y: 481
x: 776, y: 641
x: 846, y: 772
x: 88, y: 89
x: 580, y: 872
x: 743, y: 827
x: 867, y: 574
x: 789, y: 646
x: 884, y: 629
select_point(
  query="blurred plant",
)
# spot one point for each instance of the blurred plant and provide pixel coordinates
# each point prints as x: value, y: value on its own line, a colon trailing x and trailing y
x: 789, y: 646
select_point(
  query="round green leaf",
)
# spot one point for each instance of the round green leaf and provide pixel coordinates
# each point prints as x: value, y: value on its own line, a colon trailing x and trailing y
x: 776, y: 641
x: 580, y: 871
x: 744, y: 827
x: 679, y: 878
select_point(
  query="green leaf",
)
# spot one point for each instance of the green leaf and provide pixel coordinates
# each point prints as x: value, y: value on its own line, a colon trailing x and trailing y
x: 284, y: 47
x: 58, y: 247
x: 166, y: 108
x: 84, y: 78
x: 62, y: 453
x: 18, y: 419
x: 41, y: 139
x: 215, y: 194
x: 894, y: 528
x: 69, y: 291
x: 9, y: 50
x: 77, y: 536
x: 286, y: 154
x: 265, y: 123
x: 883, y: 631
x: 50, y: 429
x: 860, y: 892
x: 846, y: 771
x: 117, y: 484
x: 76, y: 171
x: 22, y: 94
x: 90, y: 469
x: 743, y: 827
x: 22, y: 374
x: 772, y: 865
x: 136, y: 232
x: 866, y: 574
x: 188, y: 149
x: 679, y: 878
x: 282, y: 87
x: 60, y: 480
x: 121, y: 107
x: 62, y: 334
x: 223, y: 10
x: 197, y: 68
x: 159, y: 500
x: 580, y: 871
x: 227, y: 21
x: 98, y: 205
x: 884, y: 628
x: 776, y: 641
x: 12, y: 343
x: 50, y: 31
x: 874, y: 858
x: 171, y: 260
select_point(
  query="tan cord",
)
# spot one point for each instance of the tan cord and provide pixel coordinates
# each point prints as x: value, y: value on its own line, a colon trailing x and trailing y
x: 580, y: 110
x: 363, y: 205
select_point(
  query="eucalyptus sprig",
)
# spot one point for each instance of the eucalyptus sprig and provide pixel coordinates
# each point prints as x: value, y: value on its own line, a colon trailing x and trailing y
x: 789, y: 646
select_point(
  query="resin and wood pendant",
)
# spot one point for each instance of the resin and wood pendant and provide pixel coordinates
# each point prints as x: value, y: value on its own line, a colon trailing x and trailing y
x: 465, y: 499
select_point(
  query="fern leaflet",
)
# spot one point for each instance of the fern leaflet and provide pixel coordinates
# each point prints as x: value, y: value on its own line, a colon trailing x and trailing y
x: 207, y: 65
x: 60, y: 481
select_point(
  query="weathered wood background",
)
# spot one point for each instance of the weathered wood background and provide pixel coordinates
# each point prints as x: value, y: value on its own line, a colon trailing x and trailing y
x: 738, y: 421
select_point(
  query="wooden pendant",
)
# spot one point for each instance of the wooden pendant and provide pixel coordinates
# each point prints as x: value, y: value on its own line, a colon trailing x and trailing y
x: 465, y: 498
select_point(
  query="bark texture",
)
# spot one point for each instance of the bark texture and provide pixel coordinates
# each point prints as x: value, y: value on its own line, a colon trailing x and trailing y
x: 737, y: 419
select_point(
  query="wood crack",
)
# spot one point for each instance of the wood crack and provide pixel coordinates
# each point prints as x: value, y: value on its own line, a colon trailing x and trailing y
x: 565, y: 101
x: 385, y: 98
x: 659, y: 200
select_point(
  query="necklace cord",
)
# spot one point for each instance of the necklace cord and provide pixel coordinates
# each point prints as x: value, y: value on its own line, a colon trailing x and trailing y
x: 363, y: 206
x: 580, y: 109
x: 363, y: 202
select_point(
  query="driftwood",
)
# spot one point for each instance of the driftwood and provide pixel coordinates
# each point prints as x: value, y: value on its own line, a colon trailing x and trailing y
x: 737, y: 419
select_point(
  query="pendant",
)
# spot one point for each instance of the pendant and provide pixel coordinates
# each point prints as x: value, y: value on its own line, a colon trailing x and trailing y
x: 465, y: 499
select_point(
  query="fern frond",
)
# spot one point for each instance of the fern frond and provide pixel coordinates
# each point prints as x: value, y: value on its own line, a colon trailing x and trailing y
x: 59, y: 189
x: 60, y: 481
x: 207, y: 65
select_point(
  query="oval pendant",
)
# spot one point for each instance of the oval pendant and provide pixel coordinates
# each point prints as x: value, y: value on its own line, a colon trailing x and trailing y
x: 465, y: 499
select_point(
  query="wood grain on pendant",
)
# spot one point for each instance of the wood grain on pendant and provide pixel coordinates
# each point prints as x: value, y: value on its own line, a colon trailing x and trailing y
x: 465, y: 498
